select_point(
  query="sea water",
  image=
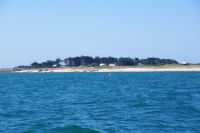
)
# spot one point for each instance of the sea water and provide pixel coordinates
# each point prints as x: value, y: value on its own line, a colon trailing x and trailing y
x: 151, y: 102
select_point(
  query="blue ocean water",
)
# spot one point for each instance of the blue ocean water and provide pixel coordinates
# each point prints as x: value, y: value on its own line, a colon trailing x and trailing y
x: 96, y: 102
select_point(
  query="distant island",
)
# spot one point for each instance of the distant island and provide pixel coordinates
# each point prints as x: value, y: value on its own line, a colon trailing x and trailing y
x: 88, y: 61
x: 105, y: 64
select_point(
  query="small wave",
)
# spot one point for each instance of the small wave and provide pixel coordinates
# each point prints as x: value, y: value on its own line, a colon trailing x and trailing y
x: 73, y: 129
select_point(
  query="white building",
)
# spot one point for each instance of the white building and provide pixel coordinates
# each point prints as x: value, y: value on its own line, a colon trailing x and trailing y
x: 185, y: 63
x: 102, y: 64
x: 112, y: 65
x: 55, y: 65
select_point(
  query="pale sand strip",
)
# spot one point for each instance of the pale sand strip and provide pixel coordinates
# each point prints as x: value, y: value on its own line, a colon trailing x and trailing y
x: 107, y: 70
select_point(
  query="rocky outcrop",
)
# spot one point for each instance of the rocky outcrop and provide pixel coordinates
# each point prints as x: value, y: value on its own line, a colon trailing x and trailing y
x: 6, y: 70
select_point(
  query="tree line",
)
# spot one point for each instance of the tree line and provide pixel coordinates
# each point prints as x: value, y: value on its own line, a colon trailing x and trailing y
x: 89, y: 61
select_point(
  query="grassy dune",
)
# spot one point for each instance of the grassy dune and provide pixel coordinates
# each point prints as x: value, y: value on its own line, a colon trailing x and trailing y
x: 151, y: 66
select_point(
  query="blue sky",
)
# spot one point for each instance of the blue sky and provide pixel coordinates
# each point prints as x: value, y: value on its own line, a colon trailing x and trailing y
x: 37, y: 30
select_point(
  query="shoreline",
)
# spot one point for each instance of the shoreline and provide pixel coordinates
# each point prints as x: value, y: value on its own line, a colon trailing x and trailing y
x: 108, y: 69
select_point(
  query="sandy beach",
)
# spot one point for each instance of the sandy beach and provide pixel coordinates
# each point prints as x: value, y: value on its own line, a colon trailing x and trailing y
x: 110, y: 69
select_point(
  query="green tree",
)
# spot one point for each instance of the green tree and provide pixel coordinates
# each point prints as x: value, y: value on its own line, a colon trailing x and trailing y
x: 36, y: 65
x: 57, y: 62
x: 125, y: 62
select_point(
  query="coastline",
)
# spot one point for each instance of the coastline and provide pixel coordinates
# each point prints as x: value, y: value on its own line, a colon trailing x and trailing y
x: 111, y: 69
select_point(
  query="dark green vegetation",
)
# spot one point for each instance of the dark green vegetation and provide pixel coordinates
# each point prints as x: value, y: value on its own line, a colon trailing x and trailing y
x: 89, y: 61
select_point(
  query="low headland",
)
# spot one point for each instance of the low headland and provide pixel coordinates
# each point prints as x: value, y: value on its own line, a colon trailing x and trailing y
x: 113, y: 69
x: 105, y: 64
